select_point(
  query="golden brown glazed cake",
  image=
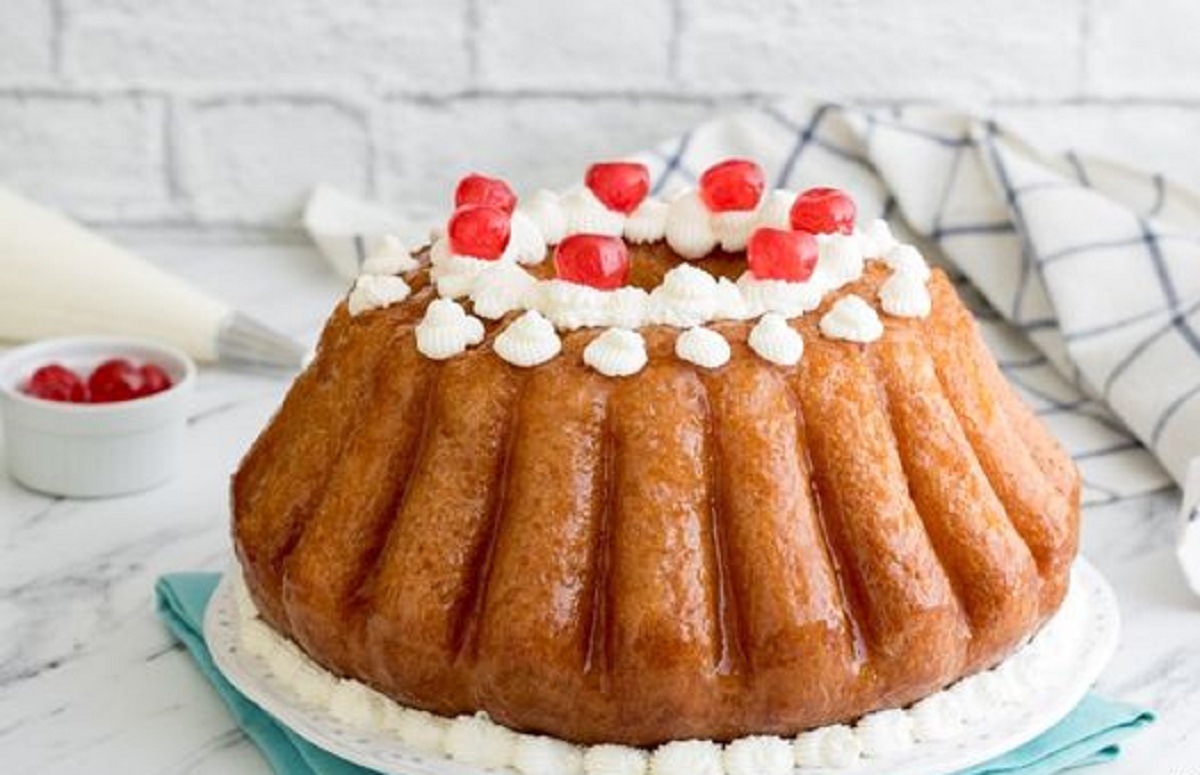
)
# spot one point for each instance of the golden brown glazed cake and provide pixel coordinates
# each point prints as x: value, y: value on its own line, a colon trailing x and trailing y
x: 679, y: 553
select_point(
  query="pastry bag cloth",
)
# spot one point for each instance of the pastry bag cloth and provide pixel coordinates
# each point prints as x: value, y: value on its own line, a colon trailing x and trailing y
x: 58, y: 278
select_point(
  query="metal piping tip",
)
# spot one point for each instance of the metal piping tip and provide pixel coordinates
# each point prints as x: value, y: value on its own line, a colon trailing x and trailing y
x: 243, y: 341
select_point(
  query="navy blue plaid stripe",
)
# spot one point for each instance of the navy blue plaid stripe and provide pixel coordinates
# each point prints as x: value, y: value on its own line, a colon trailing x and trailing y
x: 673, y: 163
x: 1012, y: 199
x: 948, y: 141
x: 940, y: 233
x: 1160, y: 195
x: 1172, y: 409
x: 1154, y: 251
x: 1127, y: 242
x: 804, y: 135
x: 1080, y: 171
x: 1124, y: 446
x: 1173, y: 324
x: 360, y: 249
x: 939, y: 214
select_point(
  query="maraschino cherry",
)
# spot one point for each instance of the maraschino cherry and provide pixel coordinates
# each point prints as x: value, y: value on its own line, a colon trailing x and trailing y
x: 594, y: 260
x: 56, y: 382
x: 114, y: 380
x: 155, y: 379
x: 619, y: 185
x: 481, y: 231
x: 476, y: 189
x: 778, y: 254
x: 824, y: 211
x: 734, y: 184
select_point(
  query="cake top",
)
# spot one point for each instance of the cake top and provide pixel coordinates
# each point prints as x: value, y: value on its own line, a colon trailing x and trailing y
x: 556, y: 263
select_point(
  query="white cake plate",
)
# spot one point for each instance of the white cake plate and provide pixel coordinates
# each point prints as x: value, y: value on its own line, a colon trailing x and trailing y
x: 1088, y: 622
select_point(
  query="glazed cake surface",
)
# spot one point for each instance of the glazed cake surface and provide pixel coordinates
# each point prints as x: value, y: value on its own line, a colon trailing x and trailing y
x: 682, y: 551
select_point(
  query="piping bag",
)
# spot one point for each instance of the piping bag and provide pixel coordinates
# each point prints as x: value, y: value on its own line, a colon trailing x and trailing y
x: 58, y: 279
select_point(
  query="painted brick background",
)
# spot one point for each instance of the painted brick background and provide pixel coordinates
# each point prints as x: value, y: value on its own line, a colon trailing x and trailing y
x: 223, y: 113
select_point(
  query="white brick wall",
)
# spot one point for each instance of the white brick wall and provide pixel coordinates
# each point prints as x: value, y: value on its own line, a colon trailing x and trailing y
x: 590, y: 44
x: 1145, y: 48
x: 532, y: 141
x: 976, y: 51
x: 169, y: 44
x: 252, y: 160
x: 27, y: 37
x: 98, y: 157
x: 202, y: 112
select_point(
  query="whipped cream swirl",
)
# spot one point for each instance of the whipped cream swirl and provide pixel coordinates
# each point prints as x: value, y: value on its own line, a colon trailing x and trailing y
x: 841, y: 258
x: 789, y: 299
x: 570, y: 306
x: 774, y: 340
x: 372, y: 291
x: 356, y: 704
x: 776, y: 209
x: 878, y: 239
x: 447, y: 330
x: 615, y: 760
x: 456, y: 275
x: 648, y: 223
x: 529, y: 340
x: 420, y: 729
x: 689, y: 229
x: 686, y: 297
x: 905, y: 296
x: 687, y: 757
x: 885, y: 733
x: 500, y: 289
x: 537, y: 755
x: 389, y: 256
x: 833, y: 746
x: 526, y: 244
x: 475, y: 740
x: 759, y: 755
x: 937, y: 717
x: 546, y: 212
x: 703, y: 347
x: 853, y: 320
x: 618, y: 352
x: 905, y: 259
x: 734, y: 227
x: 588, y: 215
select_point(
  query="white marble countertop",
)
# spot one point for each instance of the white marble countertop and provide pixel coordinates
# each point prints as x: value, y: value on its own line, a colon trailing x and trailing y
x: 91, y: 682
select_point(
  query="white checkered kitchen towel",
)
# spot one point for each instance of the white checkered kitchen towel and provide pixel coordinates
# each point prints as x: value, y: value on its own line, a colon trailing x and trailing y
x: 1089, y: 272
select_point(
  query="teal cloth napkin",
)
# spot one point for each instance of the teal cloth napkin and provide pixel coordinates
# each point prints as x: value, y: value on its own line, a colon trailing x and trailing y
x: 1089, y: 735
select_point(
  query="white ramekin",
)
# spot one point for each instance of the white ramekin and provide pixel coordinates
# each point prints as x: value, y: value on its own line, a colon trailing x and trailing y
x: 93, y: 450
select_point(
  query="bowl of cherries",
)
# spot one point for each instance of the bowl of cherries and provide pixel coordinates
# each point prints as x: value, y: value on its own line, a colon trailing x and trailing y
x: 94, y: 416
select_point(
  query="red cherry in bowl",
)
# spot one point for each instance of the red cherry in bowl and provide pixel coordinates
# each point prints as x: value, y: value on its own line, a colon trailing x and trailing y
x: 619, y: 185
x: 824, y: 211
x: 594, y: 260
x: 155, y: 379
x: 778, y: 254
x: 734, y: 184
x: 56, y: 382
x: 476, y: 189
x: 481, y: 231
x: 114, y: 380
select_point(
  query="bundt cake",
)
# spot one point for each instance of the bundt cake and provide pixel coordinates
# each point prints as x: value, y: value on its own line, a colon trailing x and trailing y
x: 615, y: 467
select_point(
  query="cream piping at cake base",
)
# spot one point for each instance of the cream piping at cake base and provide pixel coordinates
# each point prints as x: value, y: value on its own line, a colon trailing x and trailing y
x: 476, y: 740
